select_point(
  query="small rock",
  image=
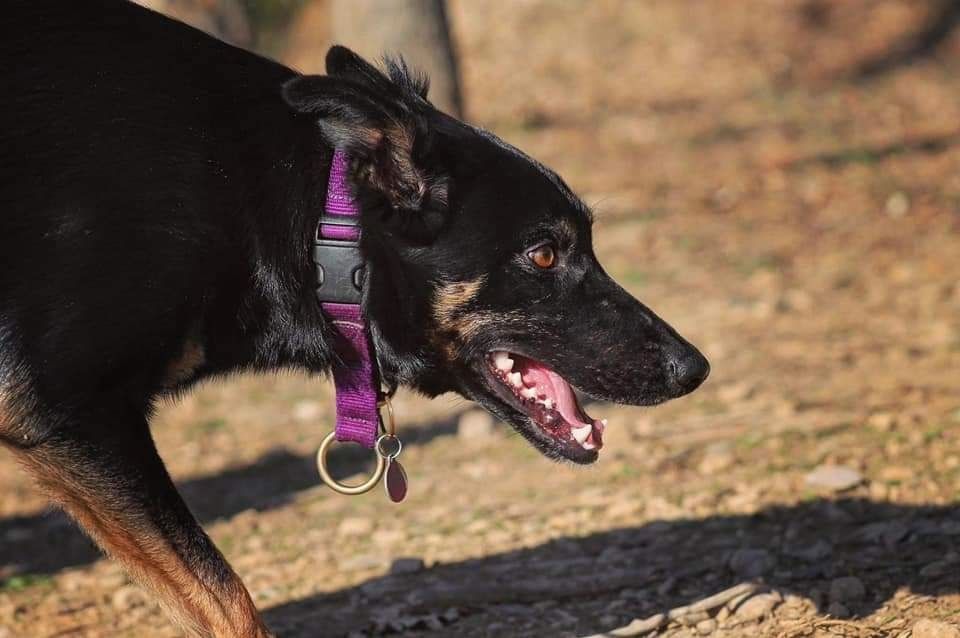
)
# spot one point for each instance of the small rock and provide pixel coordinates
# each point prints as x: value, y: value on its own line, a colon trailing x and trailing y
x: 475, y: 426
x: 757, y: 607
x: 451, y: 615
x: 693, y: 618
x: 305, y: 411
x: 936, y: 569
x: 406, y: 565
x: 128, y: 597
x: 353, y: 526
x: 706, y: 627
x: 750, y: 563
x: 814, y: 553
x: 561, y: 617
x: 846, y: 589
x: 897, y: 205
x: 929, y: 628
x: 838, y: 610
x: 717, y: 458
x: 432, y: 622
x: 834, y: 477
x: 798, y: 300
x: 882, y: 421
x: 889, y: 533
x: 608, y: 620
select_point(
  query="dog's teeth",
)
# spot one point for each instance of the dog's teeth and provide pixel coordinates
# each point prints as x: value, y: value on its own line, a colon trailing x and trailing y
x: 515, y: 379
x: 581, y: 433
x: 528, y: 393
x: 587, y: 445
x: 503, y: 362
x: 603, y: 422
x: 548, y: 404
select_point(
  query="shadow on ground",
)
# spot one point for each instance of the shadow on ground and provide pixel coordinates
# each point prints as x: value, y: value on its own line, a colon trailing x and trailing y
x: 571, y: 585
x: 565, y: 586
x: 271, y: 481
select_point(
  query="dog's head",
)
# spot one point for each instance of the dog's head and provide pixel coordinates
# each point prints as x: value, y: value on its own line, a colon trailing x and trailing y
x: 482, y: 278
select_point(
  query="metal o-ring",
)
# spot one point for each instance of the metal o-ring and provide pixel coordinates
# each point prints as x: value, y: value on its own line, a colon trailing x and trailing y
x: 386, y: 455
x: 335, y: 485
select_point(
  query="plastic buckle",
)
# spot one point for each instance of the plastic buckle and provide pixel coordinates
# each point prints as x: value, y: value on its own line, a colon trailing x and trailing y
x: 339, y: 265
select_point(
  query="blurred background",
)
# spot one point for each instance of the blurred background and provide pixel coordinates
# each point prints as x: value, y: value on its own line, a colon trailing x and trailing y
x: 780, y: 180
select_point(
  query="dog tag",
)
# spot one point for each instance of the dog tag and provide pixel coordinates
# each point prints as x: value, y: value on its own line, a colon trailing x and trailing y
x: 395, y: 481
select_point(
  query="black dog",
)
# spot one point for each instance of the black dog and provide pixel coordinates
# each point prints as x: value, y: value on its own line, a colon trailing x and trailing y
x: 160, y: 191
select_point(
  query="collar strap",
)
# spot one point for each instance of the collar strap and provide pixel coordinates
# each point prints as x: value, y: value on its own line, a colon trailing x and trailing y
x: 339, y: 267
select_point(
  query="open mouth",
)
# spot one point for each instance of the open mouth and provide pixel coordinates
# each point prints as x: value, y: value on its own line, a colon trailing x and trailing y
x: 549, y: 402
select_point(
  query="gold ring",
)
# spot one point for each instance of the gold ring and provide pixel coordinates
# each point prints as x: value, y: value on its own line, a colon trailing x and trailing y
x: 336, y: 486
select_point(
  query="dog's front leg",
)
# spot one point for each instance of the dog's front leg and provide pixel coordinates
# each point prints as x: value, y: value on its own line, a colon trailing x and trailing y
x: 106, y: 473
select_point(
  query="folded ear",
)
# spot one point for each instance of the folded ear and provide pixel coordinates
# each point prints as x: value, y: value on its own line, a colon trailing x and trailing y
x: 386, y: 137
x: 350, y: 118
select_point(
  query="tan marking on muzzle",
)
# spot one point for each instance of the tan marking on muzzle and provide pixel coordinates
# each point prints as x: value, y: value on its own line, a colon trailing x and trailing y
x: 451, y: 298
x: 452, y: 318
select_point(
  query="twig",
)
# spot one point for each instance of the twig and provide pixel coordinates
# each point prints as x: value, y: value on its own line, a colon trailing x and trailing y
x: 640, y: 627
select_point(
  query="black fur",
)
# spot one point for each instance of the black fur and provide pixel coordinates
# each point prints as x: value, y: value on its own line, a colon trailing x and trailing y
x: 159, y: 191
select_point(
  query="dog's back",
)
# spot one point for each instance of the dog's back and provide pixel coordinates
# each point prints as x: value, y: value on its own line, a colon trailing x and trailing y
x: 127, y: 142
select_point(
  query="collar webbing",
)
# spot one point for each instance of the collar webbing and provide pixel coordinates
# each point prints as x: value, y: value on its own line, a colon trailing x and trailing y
x: 340, y: 267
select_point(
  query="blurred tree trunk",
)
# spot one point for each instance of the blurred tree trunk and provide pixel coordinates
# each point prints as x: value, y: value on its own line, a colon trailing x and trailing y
x: 309, y: 38
x: 417, y: 29
x: 224, y: 19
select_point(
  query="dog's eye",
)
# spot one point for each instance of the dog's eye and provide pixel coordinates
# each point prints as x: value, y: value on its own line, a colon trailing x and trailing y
x: 543, y: 256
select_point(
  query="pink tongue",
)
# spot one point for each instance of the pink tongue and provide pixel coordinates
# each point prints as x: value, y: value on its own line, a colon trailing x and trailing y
x: 554, y: 386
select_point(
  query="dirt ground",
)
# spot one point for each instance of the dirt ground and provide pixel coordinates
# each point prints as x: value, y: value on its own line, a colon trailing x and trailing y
x: 801, y: 227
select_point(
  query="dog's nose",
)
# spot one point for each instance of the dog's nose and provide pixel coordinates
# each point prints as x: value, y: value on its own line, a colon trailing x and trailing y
x: 688, y: 370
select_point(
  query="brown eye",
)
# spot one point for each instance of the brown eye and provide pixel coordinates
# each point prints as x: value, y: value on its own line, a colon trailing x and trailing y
x: 543, y: 256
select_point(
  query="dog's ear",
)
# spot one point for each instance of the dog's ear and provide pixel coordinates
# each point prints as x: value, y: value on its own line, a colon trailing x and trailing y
x: 384, y: 129
x: 344, y: 63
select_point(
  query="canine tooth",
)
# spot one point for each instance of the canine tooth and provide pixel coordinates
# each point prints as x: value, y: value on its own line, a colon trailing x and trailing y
x: 587, y: 445
x: 528, y: 393
x: 581, y: 433
x: 515, y: 379
x: 603, y: 422
x: 548, y: 403
x: 503, y: 362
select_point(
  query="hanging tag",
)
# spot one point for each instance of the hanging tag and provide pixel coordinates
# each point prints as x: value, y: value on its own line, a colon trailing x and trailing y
x: 395, y: 477
x: 395, y: 481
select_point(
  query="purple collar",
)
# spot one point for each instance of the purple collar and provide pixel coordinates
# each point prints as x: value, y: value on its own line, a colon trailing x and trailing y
x: 340, y: 275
